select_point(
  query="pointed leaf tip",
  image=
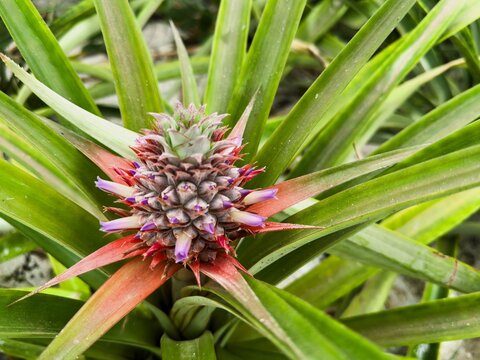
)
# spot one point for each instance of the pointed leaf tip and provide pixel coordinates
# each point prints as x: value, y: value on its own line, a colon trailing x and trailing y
x: 239, y: 129
x: 130, y: 285
x: 108, y: 254
x: 275, y: 226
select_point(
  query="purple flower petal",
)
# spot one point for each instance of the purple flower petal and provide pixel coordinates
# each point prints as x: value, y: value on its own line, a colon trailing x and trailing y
x: 245, y: 192
x: 148, y: 226
x: 115, y: 188
x: 209, y: 228
x: 182, y: 246
x: 227, y: 204
x: 130, y: 222
x: 260, y: 195
x: 247, y: 218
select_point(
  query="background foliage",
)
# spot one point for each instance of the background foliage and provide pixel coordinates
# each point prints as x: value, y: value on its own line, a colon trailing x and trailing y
x: 376, y: 101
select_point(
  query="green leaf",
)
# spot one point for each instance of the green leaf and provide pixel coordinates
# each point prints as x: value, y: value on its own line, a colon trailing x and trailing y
x: 434, y: 292
x: 101, y: 351
x: 115, y: 137
x: 424, y: 223
x: 427, y: 222
x: 26, y: 156
x: 263, y: 67
x: 78, y: 174
x: 132, y: 66
x: 460, y: 139
x: 34, y: 318
x: 228, y: 51
x: 469, y: 13
x: 163, y: 320
x: 119, y: 295
x: 373, y: 296
x: 74, y: 284
x: 313, y: 329
x: 189, y: 84
x: 257, y: 349
x: 440, y: 122
x: 386, y: 249
x: 320, y: 19
x: 367, y: 202
x: 43, y: 53
x: 71, y: 16
x: 283, y: 145
x: 20, y: 349
x: 14, y: 244
x: 80, y: 33
x: 356, y: 121
x: 201, y: 348
x: 467, y: 47
x: 171, y: 69
x: 183, y: 309
x: 147, y: 11
x: 328, y: 281
x: 34, y: 205
x: 434, y: 321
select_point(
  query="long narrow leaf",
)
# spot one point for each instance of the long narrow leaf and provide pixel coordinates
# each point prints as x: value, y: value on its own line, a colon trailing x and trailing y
x: 44, y: 55
x: 287, y: 139
x: 132, y: 66
x: 58, y: 221
x: 117, y: 297
x: 367, y: 202
x: 34, y: 318
x: 115, y: 137
x: 293, y: 191
x: 434, y: 321
x: 440, y: 122
x: 356, y: 122
x: 228, y: 52
x: 189, y: 84
x: 263, y: 66
x: 376, y: 246
x: 201, y: 348
x: 79, y: 173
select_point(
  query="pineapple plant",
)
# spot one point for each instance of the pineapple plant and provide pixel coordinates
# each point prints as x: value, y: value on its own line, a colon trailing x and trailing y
x: 184, y: 231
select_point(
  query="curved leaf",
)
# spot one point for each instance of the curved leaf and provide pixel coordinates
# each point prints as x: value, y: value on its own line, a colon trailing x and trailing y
x: 293, y: 191
x: 379, y: 247
x: 34, y: 318
x: 369, y: 202
x: 78, y: 172
x: 132, y: 66
x: 281, y: 148
x: 189, y: 84
x: 201, y: 348
x: 433, y: 321
x: 58, y: 221
x: 113, y: 136
x: 228, y: 51
x: 263, y: 67
x: 356, y: 122
x: 131, y: 284
x: 44, y: 55
x: 440, y: 122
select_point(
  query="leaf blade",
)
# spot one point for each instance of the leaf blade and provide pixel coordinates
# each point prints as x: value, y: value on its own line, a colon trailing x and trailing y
x: 132, y: 66
x: 282, y: 146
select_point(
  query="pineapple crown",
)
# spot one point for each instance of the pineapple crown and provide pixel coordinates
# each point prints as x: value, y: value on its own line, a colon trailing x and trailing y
x: 184, y: 195
x: 189, y: 131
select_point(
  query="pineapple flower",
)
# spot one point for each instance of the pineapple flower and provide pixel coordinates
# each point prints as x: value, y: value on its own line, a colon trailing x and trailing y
x: 184, y: 203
